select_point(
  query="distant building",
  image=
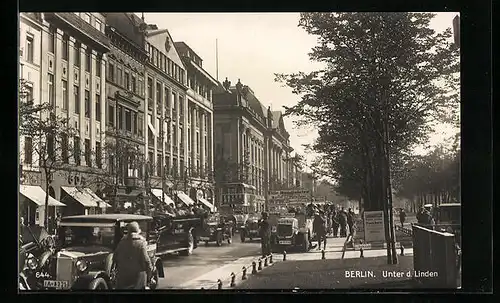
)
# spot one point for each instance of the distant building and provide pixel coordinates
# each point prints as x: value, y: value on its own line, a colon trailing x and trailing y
x: 252, y: 149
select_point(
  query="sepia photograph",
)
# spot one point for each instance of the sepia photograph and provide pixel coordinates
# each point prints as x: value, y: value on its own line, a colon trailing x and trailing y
x: 239, y: 151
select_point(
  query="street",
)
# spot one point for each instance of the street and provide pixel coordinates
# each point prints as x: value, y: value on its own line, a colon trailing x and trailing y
x: 180, y: 270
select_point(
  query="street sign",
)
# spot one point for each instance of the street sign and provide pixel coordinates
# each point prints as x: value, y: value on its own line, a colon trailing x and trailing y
x: 374, y: 226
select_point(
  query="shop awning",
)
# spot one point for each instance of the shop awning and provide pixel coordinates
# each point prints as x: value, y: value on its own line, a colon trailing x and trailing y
x: 37, y: 195
x: 85, y: 197
x: 184, y: 198
x: 158, y: 192
x: 207, y: 204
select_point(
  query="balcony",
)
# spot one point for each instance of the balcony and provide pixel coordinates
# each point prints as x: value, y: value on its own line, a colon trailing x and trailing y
x: 89, y: 35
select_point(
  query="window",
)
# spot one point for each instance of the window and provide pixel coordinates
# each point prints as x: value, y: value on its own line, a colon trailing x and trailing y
x: 182, y: 168
x: 98, y: 154
x: 87, y: 104
x: 189, y: 140
x: 181, y: 108
x: 128, y: 120
x: 158, y: 93
x: 140, y: 125
x: 64, y: 148
x: 51, y: 91
x: 88, y: 59
x: 119, y: 80
x: 182, y: 138
x: 197, y: 143
x: 127, y: 80
x: 30, y: 49
x: 111, y: 115
x: 76, y: 91
x: 134, y: 122
x: 50, y: 147
x: 65, y: 47
x: 65, y: 94
x: 76, y: 49
x: 141, y: 87
x: 86, y: 17
x: 29, y: 93
x: 167, y: 102
x: 87, y: 153
x: 28, y: 150
x: 134, y: 84
x: 98, y: 25
x: 98, y: 66
x: 158, y: 164
x: 189, y: 114
x: 120, y: 117
x: 169, y: 67
x: 174, y: 135
x: 174, y: 166
x: 97, y: 107
x: 150, y: 92
x: 52, y: 40
x: 111, y: 72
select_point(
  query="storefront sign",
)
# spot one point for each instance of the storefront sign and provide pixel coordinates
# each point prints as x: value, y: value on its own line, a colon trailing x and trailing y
x: 374, y: 226
x: 76, y: 179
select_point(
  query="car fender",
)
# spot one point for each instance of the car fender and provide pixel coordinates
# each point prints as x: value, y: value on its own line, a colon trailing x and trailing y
x: 159, y: 267
x: 84, y: 280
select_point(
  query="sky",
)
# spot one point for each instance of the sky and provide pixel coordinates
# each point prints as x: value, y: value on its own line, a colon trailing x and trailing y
x: 254, y: 46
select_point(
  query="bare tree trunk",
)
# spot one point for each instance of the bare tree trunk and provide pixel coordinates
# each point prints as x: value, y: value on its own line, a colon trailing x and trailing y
x: 46, y: 210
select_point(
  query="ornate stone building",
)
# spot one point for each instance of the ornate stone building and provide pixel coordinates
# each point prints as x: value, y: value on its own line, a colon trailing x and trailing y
x: 252, y: 149
x: 199, y: 142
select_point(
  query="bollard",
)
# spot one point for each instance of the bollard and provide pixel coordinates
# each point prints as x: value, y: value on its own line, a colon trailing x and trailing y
x: 254, y: 267
x: 219, y: 284
x: 233, y: 280
x: 244, y: 275
x: 284, y: 255
x: 270, y: 259
x: 402, y: 250
x: 260, y: 264
x: 361, y: 252
x: 323, y: 254
x: 265, y: 261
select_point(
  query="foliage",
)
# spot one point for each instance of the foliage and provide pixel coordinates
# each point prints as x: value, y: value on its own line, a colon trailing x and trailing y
x: 378, y: 92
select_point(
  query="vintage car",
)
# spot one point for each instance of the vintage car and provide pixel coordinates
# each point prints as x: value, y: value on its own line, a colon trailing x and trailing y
x: 291, y: 231
x: 87, y: 242
x: 448, y: 218
x: 176, y: 234
x: 35, y: 251
x: 250, y: 229
x: 215, y: 228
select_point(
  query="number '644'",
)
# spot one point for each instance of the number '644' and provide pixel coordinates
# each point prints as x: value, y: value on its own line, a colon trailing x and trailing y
x: 42, y: 275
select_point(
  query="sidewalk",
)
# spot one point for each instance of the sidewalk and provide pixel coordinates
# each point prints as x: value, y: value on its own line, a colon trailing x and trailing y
x: 365, y: 273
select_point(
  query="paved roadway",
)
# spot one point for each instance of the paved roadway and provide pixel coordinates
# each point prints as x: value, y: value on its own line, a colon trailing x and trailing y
x: 180, y: 270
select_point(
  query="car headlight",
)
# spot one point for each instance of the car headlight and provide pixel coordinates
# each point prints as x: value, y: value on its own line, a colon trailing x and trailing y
x: 81, y: 265
x: 32, y: 263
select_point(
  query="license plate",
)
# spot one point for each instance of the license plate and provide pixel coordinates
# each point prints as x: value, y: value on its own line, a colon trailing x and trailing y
x: 178, y: 231
x: 56, y: 284
x: 285, y: 242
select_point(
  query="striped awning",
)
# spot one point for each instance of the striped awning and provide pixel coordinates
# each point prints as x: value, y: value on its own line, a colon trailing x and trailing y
x: 207, y: 204
x: 158, y: 194
x: 184, y: 198
x: 85, y: 197
x: 38, y: 195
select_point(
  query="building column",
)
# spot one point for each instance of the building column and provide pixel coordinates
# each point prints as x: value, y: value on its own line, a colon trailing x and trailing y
x: 177, y: 144
x: 82, y: 124
x: 202, y: 143
x: 93, y: 91
x: 102, y: 90
x: 192, y: 112
x: 210, y: 133
x: 170, y: 126
x: 58, y: 66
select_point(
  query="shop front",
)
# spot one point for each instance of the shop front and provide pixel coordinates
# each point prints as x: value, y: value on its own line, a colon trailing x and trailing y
x: 32, y: 205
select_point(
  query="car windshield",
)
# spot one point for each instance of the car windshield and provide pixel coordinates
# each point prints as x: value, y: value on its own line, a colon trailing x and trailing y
x: 87, y: 235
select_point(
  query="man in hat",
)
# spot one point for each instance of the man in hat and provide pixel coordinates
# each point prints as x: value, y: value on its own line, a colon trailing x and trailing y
x: 133, y: 265
x: 265, y: 235
x: 319, y: 228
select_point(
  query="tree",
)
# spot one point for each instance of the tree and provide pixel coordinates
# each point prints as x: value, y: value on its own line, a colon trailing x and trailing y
x: 378, y: 92
x: 50, y: 138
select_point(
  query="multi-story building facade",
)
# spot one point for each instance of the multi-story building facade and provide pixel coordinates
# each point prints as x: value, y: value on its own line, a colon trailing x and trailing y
x: 125, y: 107
x: 72, y: 62
x: 199, y: 144
x: 252, y: 149
x: 166, y: 121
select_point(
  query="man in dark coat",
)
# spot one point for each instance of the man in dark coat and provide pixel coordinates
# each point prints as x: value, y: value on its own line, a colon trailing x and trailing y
x: 335, y: 223
x: 402, y: 217
x: 265, y: 235
x: 350, y: 220
x: 343, y: 223
x: 319, y: 228
x: 133, y: 265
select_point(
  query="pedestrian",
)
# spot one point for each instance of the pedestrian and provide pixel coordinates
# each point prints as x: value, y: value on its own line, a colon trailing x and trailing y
x: 350, y: 221
x: 335, y: 223
x: 265, y: 235
x: 133, y: 265
x: 402, y: 217
x: 343, y: 222
x: 319, y: 228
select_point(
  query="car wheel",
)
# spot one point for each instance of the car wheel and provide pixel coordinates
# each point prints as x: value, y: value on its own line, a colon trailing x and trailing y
x: 219, y: 239
x: 98, y: 284
x: 189, y: 250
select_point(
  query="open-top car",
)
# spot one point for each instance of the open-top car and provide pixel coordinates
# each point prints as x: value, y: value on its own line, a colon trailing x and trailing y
x: 176, y: 234
x: 87, y: 242
x: 216, y: 228
x: 250, y: 229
